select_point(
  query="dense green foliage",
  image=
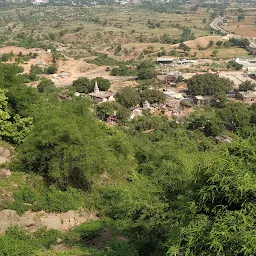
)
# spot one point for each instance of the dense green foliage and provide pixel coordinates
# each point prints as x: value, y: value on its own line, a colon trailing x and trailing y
x: 122, y: 70
x: 159, y: 186
x: 41, y: 198
x: 128, y: 97
x: 152, y: 96
x: 246, y: 86
x: 17, y: 243
x: 46, y: 86
x: 146, y: 70
x: 209, y: 84
x: 234, y: 65
x: 73, y: 152
x: 13, y: 129
x: 243, y: 42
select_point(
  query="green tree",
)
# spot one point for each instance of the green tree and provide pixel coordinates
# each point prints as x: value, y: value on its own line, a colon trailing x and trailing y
x: 235, y: 115
x: 106, y: 109
x: 241, y: 17
x: 208, y: 84
x: 215, y: 52
x: 145, y: 70
x: 69, y: 147
x: 52, y: 36
x: 246, y: 86
x: 128, y: 97
x: 219, y: 43
x: 219, y: 219
x: 51, y: 69
x: 234, y: 65
x: 83, y: 85
x: 46, y: 86
x: 4, y: 58
x: 211, y: 43
x: 152, y: 96
x: 12, y: 129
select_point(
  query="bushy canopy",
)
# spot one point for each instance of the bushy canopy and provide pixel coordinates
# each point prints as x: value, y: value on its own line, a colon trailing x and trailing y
x: 209, y: 84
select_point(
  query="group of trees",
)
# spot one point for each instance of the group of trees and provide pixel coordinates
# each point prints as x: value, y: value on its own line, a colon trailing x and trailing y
x: 122, y: 70
x: 234, y: 65
x: 209, y: 84
x: 130, y: 97
x: 85, y: 85
x: 243, y: 42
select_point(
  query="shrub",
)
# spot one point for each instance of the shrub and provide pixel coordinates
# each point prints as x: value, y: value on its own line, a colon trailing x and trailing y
x: 46, y: 86
x: 51, y: 69
x: 59, y: 201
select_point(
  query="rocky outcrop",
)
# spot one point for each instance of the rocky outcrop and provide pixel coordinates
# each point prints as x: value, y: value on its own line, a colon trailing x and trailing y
x: 5, y: 155
x: 31, y: 221
x: 5, y: 173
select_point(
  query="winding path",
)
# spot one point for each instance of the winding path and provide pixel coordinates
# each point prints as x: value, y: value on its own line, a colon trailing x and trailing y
x: 215, y: 25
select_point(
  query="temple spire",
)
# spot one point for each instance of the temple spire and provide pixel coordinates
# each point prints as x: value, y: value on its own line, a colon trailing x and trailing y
x: 96, y: 88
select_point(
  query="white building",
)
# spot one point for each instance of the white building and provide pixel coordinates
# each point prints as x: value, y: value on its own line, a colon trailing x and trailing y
x: 101, y: 96
x: 248, y: 64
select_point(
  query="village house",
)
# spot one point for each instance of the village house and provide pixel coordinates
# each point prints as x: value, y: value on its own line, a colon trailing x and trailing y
x: 164, y: 60
x: 171, y: 77
x: 249, y: 64
x: 173, y: 95
x: 247, y: 97
x: 101, y: 96
x: 203, y: 100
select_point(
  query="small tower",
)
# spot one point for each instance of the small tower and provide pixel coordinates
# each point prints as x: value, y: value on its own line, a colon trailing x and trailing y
x: 96, y: 88
x: 146, y: 105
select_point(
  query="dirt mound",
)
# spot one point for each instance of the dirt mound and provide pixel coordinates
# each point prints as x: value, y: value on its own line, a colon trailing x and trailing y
x: 202, y: 41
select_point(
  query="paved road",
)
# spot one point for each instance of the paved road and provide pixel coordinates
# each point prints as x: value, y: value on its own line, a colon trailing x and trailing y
x: 215, y: 25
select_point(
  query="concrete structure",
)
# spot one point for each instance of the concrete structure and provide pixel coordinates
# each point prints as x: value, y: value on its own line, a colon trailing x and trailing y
x: 101, y: 96
x: 173, y: 95
x: 164, y: 60
x: 184, y: 62
x: 171, y: 77
x: 146, y: 105
x: 203, y: 100
x: 249, y: 64
x: 37, y: 2
x: 135, y: 112
x: 247, y: 97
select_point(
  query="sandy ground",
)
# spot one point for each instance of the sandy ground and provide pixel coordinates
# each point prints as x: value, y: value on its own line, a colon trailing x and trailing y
x: 79, y: 68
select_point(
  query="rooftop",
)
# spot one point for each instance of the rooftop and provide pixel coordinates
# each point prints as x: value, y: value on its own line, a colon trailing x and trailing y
x: 248, y: 94
x: 101, y: 94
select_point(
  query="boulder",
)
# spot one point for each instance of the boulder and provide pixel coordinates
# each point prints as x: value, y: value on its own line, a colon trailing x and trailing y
x: 4, y: 152
x: 51, y: 222
x: 68, y: 220
x: 3, y: 160
x: 8, y: 218
x: 5, y: 173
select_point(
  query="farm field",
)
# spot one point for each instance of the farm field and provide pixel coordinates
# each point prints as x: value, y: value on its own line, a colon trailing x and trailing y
x: 246, y: 27
x: 84, y: 30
